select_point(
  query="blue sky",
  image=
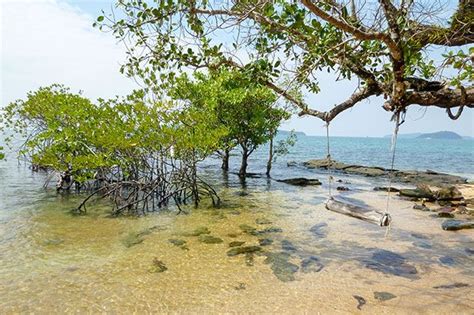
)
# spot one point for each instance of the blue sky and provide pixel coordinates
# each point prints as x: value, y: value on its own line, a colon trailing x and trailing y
x: 52, y: 41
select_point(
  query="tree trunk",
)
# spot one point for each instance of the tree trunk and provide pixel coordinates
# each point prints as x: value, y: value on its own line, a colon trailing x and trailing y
x: 225, y: 160
x: 243, y: 166
x: 270, y: 158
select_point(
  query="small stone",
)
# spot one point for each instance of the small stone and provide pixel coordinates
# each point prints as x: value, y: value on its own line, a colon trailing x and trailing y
x: 265, y: 241
x: 236, y: 243
x: 470, y: 251
x: 241, y: 286
x: 243, y: 250
x: 249, y: 259
x: 384, y: 296
x: 360, y: 300
x: 232, y: 235
x: 342, y: 188
x: 421, y: 207
x: 157, y: 266
x: 446, y: 212
x: 209, y: 239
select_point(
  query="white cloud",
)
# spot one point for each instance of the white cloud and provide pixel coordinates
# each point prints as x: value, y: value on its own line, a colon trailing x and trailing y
x: 45, y: 42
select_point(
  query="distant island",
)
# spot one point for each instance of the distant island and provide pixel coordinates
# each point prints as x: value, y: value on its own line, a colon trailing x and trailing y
x: 287, y: 132
x: 440, y: 135
x: 448, y: 135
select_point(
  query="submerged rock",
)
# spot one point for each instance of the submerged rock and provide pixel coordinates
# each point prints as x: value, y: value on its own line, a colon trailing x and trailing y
x: 199, y: 231
x: 391, y: 263
x: 419, y: 236
x: 281, y: 267
x: 157, y: 266
x: 272, y: 229
x: 301, y: 181
x: 360, y: 300
x: 311, y: 264
x: 236, y: 243
x: 248, y: 229
x: 132, y: 239
x: 469, y: 251
x: 319, y: 230
x: 423, y: 244
x: 452, y: 286
x: 447, y: 260
x: 454, y: 225
x: 421, y: 207
x: 263, y: 221
x: 243, y: 250
x: 446, y: 212
x: 342, y: 188
x: 253, y: 231
x: 265, y: 241
x: 209, y: 239
x: 288, y: 246
x: 384, y: 296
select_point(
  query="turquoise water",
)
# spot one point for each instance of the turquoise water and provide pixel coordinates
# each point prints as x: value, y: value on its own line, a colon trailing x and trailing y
x: 450, y: 156
x: 45, y: 251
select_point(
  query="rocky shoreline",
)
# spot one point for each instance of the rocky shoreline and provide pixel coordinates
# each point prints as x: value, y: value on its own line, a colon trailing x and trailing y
x: 412, y: 177
x: 449, y: 196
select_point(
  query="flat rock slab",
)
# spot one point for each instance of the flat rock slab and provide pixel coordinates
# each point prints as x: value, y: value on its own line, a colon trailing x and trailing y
x: 455, y: 225
x: 428, y: 177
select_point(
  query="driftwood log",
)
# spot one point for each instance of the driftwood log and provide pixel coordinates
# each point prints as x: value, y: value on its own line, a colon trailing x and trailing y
x: 365, y: 213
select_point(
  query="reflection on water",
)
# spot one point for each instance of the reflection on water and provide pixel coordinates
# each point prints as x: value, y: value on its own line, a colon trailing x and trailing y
x: 270, y: 248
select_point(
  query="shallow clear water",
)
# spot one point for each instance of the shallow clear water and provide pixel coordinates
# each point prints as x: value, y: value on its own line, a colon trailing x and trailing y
x: 53, y: 262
